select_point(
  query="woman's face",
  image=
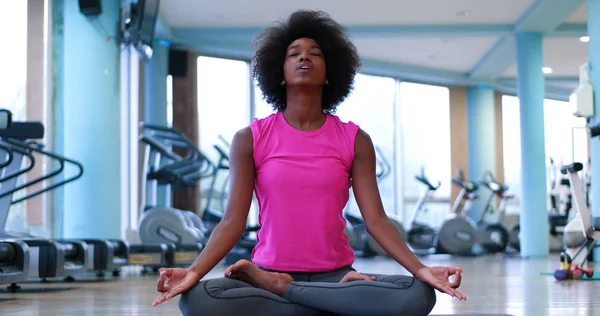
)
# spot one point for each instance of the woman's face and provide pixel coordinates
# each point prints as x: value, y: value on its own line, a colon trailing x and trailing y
x: 304, y: 63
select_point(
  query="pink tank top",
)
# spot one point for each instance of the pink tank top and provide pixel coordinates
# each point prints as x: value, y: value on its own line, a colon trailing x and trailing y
x: 302, y: 186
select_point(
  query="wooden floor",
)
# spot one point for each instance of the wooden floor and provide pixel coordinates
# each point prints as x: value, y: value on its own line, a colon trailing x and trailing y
x: 498, y: 284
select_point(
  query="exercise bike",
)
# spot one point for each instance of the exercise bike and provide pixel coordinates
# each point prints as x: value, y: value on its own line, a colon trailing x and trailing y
x: 456, y: 235
x: 494, y: 237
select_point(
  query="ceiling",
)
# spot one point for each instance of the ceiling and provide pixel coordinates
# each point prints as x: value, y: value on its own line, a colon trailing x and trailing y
x: 462, y: 42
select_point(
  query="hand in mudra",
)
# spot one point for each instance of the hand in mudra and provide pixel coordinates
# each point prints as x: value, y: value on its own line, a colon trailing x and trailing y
x: 178, y: 280
x: 439, y: 278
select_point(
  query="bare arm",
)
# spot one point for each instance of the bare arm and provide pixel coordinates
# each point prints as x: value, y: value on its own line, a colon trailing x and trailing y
x: 366, y: 192
x: 241, y: 183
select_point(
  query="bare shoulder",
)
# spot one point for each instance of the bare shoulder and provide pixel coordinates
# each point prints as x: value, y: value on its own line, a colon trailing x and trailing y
x: 363, y: 145
x: 242, y: 141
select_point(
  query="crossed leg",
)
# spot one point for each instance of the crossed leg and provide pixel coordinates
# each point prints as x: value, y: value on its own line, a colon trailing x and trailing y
x: 249, y: 290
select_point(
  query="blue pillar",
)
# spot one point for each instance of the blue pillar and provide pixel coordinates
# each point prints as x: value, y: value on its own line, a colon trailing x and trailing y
x: 156, y: 71
x: 57, y: 110
x: 482, y: 139
x: 91, y: 121
x: 155, y: 86
x: 530, y: 89
x: 593, y: 24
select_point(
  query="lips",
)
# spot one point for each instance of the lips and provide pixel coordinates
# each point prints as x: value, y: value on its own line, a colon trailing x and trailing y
x: 304, y: 67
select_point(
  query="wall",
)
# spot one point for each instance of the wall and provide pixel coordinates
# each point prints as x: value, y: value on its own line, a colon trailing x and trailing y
x: 459, y: 136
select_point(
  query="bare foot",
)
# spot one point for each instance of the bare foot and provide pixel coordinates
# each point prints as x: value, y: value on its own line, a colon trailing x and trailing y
x: 246, y: 271
x: 356, y: 276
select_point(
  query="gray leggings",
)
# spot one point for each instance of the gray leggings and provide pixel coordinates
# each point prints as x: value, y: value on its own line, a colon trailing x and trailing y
x: 312, y: 294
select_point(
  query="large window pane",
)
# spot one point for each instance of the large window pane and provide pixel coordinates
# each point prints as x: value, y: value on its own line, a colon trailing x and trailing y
x: 371, y: 105
x: 425, y: 129
x: 565, y: 140
x: 262, y: 109
x: 223, y: 109
x: 13, y: 58
x: 13, y: 75
x: 511, y: 138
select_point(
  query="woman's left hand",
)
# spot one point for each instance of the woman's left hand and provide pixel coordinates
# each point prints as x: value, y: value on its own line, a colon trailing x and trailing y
x: 438, y: 277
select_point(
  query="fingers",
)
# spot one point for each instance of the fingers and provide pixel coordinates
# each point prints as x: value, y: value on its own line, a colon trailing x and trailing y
x: 456, y: 283
x: 160, y: 284
x: 453, y: 270
x: 168, y: 295
x: 450, y: 291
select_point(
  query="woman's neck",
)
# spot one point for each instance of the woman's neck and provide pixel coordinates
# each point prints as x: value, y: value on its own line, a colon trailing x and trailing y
x: 303, y: 110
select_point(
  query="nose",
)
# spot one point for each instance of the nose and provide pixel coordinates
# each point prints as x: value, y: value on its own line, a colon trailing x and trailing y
x: 304, y: 56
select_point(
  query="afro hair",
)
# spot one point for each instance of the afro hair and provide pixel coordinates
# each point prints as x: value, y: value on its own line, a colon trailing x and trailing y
x: 341, y: 57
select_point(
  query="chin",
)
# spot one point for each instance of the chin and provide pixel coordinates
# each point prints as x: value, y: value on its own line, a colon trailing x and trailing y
x: 307, y: 83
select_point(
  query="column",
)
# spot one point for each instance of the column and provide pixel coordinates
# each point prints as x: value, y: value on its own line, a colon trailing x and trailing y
x: 91, y: 132
x: 593, y: 23
x: 56, y: 103
x: 155, y: 72
x: 530, y: 89
x: 482, y: 140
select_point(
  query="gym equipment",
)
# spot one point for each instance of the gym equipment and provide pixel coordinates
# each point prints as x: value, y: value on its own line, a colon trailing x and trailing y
x: 73, y: 256
x: 467, y: 194
x: 14, y: 254
x: 420, y: 236
x: 48, y: 258
x: 494, y: 237
x: 14, y: 261
x: 164, y: 225
x: 101, y: 254
x: 211, y: 217
x: 590, y: 225
x: 456, y: 235
x: 359, y: 239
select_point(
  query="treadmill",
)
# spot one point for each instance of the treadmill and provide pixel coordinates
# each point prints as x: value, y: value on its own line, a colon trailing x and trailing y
x: 14, y: 254
x: 56, y: 257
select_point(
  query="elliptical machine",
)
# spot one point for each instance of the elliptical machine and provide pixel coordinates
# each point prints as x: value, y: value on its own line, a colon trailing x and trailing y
x: 456, y: 235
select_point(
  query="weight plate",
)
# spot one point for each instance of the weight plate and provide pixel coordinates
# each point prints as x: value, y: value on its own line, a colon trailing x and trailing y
x: 457, y: 235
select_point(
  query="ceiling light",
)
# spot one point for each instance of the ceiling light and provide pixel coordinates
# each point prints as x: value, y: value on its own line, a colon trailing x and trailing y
x: 584, y: 39
x: 547, y: 70
x: 463, y: 13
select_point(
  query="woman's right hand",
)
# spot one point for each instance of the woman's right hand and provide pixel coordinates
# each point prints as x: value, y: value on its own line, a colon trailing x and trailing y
x: 178, y: 280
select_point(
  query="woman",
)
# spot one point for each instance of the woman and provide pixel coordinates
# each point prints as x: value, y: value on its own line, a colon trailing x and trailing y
x: 301, y: 161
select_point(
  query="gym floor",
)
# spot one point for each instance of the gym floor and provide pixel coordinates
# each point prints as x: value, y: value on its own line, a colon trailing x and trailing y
x: 498, y: 284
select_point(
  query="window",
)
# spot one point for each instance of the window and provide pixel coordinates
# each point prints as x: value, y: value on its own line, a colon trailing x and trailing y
x: 563, y: 132
x: 565, y: 140
x: 511, y: 138
x: 223, y: 109
x: 13, y: 75
x: 425, y: 129
x: 372, y: 105
x: 261, y: 108
x: 13, y: 61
